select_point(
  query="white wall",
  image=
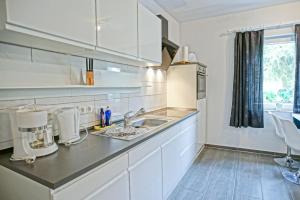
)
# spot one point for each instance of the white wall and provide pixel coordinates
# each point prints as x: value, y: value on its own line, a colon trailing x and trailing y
x: 203, y: 37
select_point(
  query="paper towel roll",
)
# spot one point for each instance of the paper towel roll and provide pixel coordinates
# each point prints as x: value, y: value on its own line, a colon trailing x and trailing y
x: 185, y: 53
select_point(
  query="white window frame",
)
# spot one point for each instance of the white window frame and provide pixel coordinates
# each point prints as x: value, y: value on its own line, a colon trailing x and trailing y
x: 276, y: 37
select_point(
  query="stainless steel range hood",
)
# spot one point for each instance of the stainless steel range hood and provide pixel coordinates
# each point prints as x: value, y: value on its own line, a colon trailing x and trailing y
x: 169, y: 49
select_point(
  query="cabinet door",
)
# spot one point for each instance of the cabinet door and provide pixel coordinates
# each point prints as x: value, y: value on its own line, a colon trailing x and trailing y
x: 146, y: 178
x: 68, y: 19
x: 149, y: 26
x: 171, y: 165
x: 116, y: 189
x: 117, y: 25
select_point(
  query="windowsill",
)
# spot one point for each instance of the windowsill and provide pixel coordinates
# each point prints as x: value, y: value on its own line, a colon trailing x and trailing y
x: 274, y: 110
x: 284, y: 107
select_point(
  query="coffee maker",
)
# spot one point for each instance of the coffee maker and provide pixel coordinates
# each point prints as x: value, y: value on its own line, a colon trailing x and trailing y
x: 31, y: 136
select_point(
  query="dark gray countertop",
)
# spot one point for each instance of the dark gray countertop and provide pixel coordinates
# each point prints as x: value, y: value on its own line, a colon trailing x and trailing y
x: 70, y: 162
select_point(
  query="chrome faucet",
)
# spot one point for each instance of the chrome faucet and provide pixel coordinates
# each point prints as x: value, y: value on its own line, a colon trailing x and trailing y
x: 128, y: 118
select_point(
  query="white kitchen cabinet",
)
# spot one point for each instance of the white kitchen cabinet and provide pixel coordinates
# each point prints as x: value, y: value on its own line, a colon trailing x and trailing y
x: 188, y: 147
x: 171, y: 165
x: 70, y: 20
x: 178, y: 154
x: 115, y: 189
x: 149, y: 171
x: 146, y: 177
x: 117, y: 26
x: 149, y: 34
x: 110, y: 181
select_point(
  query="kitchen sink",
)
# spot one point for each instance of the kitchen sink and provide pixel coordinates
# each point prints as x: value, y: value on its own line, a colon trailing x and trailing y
x: 148, y: 123
x: 136, y: 128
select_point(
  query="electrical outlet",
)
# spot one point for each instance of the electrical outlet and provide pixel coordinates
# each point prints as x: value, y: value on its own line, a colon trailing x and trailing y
x: 83, y: 109
x: 90, y: 109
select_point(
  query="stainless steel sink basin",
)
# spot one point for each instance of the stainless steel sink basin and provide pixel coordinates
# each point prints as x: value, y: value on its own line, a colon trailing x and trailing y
x: 148, y: 123
x: 136, y: 128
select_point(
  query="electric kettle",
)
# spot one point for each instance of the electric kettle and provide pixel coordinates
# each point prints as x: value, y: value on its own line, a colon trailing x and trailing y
x: 68, y: 125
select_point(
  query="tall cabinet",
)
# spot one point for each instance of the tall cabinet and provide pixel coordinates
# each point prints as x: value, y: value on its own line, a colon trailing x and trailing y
x: 117, y: 26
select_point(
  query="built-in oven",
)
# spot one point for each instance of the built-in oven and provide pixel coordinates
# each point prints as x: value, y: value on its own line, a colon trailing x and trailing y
x: 201, y: 82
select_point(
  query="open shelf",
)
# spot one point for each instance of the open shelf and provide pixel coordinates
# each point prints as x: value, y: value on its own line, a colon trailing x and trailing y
x: 67, y: 87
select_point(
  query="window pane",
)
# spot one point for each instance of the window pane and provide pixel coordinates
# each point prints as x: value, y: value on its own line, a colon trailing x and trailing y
x: 279, y: 74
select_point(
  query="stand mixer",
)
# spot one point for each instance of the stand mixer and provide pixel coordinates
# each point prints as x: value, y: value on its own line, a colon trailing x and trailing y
x: 31, y: 136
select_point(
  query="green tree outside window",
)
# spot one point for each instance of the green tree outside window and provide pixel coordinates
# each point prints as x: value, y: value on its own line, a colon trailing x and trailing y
x: 279, y: 72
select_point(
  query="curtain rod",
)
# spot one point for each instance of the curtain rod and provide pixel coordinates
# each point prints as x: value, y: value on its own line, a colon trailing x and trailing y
x: 264, y: 27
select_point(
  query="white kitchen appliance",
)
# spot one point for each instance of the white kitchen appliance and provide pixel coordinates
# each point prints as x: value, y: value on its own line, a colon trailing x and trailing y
x: 67, y: 125
x: 31, y: 137
x: 186, y: 88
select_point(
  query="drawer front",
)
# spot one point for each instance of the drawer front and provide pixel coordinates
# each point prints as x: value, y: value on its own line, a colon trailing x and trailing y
x: 118, y: 188
x: 170, y: 133
x: 188, y: 122
x: 141, y: 151
x: 92, y: 181
x: 188, y: 137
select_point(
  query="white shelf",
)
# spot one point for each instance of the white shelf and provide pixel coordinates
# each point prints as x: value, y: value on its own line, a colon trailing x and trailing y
x: 66, y: 87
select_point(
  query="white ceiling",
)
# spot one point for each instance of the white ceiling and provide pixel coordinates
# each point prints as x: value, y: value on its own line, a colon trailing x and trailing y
x: 187, y: 10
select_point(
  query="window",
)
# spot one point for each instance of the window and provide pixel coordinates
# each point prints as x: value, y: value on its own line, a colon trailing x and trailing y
x: 279, y: 73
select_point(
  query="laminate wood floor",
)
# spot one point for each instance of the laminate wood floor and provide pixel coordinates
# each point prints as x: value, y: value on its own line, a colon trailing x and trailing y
x: 219, y: 174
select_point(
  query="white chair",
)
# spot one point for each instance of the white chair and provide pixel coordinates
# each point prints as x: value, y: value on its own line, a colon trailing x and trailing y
x: 292, y: 139
x: 286, y: 161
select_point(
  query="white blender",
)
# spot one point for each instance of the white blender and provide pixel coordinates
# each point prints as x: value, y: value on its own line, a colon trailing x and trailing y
x: 31, y: 136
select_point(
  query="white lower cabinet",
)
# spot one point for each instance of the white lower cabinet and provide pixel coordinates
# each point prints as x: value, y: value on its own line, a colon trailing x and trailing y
x: 170, y: 165
x: 114, y: 190
x: 146, y: 178
x: 178, y: 154
x: 108, y: 182
x: 149, y: 171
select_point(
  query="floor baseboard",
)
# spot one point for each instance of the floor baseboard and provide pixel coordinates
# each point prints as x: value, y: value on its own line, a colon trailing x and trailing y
x: 270, y: 153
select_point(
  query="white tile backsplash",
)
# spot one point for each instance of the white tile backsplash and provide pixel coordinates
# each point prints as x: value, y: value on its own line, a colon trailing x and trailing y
x: 135, y: 103
x: 15, y: 103
x: 16, y: 73
x: 50, y: 69
x: 48, y: 57
x: 13, y: 52
x: 118, y: 106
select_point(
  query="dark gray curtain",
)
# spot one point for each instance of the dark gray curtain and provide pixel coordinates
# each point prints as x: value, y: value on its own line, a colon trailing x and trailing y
x: 247, y: 99
x: 297, y: 73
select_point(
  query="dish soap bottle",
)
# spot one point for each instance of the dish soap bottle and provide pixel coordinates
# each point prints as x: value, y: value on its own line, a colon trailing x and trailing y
x: 101, y: 117
x: 107, y: 116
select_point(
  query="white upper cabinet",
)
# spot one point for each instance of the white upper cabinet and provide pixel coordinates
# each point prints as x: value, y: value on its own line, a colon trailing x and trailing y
x: 72, y: 20
x: 149, y: 33
x: 117, y: 26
